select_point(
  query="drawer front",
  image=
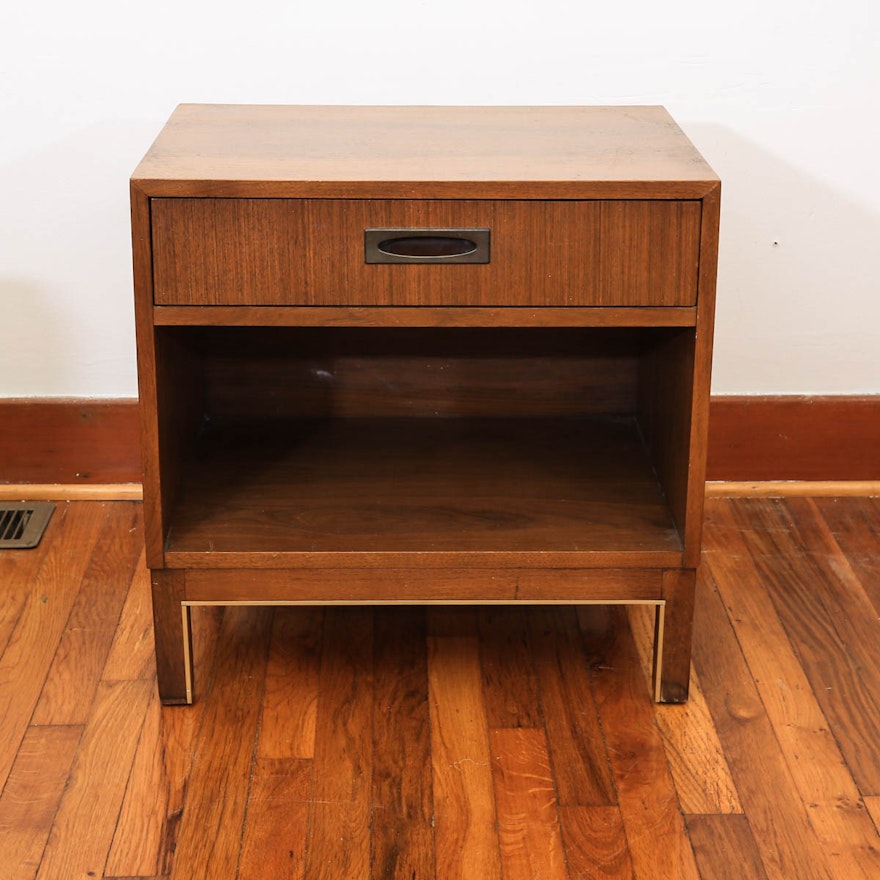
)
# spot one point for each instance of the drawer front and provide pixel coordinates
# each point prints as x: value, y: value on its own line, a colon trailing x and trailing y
x: 311, y: 252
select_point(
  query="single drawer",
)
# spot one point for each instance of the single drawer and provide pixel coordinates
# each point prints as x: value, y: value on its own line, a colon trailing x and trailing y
x: 311, y: 252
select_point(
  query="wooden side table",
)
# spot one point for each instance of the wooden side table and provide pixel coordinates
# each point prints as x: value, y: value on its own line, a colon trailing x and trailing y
x: 423, y: 355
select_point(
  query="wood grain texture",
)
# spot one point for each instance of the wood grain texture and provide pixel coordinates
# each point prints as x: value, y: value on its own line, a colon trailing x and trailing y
x: 145, y: 836
x: 596, y: 847
x: 402, y: 804
x: 80, y: 659
x: 18, y: 572
x: 827, y: 616
x: 795, y: 438
x: 646, y: 794
x: 30, y: 799
x: 525, y: 799
x: 326, y: 585
x: 818, y: 770
x: 769, y: 796
x: 696, y: 757
x: 465, y: 372
x: 172, y: 636
x: 855, y: 530
x: 510, y: 687
x: 722, y: 841
x: 465, y: 830
x: 71, y: 492
x: 873, y: 805
x: 132, y: 653
x: 339, y: 824
x: 674, y: 645
x: 421, y: 316
x: 263, y: 252
x: 149, y: 777
x: 40, y: 625
x: 274, y: 840
x: 666, y: 389
x: 209, y: 838
x: 93, y: 796
x: 794, y: 489
x: 698, y: 437
x: 363, y: 487
x: 497, y: 152
x: 55, y: 440
x: 290, y: 697
x: 149, y: 380
x: 574, y: 732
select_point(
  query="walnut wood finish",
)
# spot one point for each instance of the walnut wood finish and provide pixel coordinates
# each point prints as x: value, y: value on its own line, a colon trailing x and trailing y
x: 508, y: 429
x: 378, y: 491
x: 236, y: 151
x: 311, y: 253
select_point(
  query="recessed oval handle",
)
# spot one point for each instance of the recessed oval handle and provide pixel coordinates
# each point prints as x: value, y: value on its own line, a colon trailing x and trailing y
x: 438, y: 246
x: 426, y: 245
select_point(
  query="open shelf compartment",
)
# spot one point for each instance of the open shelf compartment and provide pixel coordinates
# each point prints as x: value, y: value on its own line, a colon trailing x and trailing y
x: 477, y: 447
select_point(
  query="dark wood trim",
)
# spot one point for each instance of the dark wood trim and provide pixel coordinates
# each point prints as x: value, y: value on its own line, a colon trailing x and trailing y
x: 85, y: 441
x: 69, y: 440
x: 794, y: 438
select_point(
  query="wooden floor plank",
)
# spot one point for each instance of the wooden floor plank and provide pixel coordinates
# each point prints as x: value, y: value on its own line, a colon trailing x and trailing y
x: 720, y: 842
x: 574, y: 733
x: 509, y: 686
x: 209, y: 839
x: 817, y: 767
x: 827, y: 617
x: 402, y: 792
x: 19, y: 568
x: 397, y: 716
x: 31, y: 647
x: 339, y: 818
x: 287, y: 728
x: 83, y: 828
x: 696, y: 759
x: 525, y: 798
x: 277, y: 822
x: 131, y: 653
x: 452, y: 620
x: 465, y: 833
x: 769, y: 796
x: 31, y: 797
x: 873, y: 805
x: 146, y: 833
x: 855, y: 527
x: 595, y: 843
x: 655, y: 829
x: 79, y: 661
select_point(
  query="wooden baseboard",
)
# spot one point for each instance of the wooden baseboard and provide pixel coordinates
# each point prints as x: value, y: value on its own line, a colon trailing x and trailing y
x: 794, y: 438
x: 69, y: 440
x: 751, y: 439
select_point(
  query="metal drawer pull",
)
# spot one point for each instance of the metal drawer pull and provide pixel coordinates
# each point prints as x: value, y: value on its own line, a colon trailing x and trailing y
x: 426, y: 245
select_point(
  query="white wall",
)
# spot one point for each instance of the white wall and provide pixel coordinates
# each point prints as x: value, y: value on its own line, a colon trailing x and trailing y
x: 782, y: 98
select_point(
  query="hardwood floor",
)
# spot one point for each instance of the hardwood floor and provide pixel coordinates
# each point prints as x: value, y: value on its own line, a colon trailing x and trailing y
x: 522, y: 743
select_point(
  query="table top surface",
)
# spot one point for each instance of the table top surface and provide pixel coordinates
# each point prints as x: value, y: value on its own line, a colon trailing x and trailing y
x: 431, y: 152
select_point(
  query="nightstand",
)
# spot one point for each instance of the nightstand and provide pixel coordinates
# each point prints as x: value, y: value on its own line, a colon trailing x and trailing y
x: 423, y: 355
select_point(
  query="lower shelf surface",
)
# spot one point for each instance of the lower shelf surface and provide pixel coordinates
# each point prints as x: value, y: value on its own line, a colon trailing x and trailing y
x: 413, y: 491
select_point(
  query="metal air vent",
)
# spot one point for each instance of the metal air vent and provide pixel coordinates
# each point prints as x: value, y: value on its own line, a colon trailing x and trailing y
x: 22, y: 523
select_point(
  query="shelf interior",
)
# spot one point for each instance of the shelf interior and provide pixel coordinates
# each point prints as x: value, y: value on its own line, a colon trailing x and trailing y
x: 383, y: 444
x: 422, y: 486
